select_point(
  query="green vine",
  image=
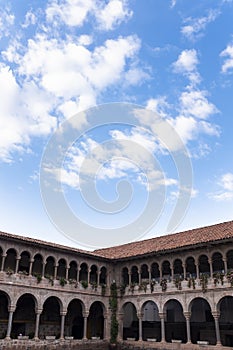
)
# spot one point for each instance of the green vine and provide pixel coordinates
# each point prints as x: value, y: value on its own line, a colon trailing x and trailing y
x: 163, y: 284
x: 218, y: 278
x: 177, y: 283
x: 192, y: 282
x: 204, y: 282
x: 230, y: 277
x: 113, y: 307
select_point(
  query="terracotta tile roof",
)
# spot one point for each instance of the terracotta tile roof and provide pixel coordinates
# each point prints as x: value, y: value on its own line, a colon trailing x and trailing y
x: 168, y: 242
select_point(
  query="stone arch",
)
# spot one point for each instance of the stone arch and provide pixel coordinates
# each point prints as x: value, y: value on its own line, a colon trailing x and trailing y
x: 191, y: 270
x: 95, y: 321
x: 61, y: 268
x: 155, y: 273
x: 134, y: 275
x: 130, y: 321
x: 204, y: 266
x: 24, y: 317
x: 178, y: 268
x: 24, y: 262
x: 83, y: 272
x: 125, y: 276
x: 225, y: 307
x: 94, y: 274
x: 4, y: 313
x: 217, y: 262
x: 73, y: 270
x: 49, y: 267
x: 166, y: 269
x: 10, y: 260
x: 151, y: 325
x: 144, y: 272
x: 74, y: 322
x: 103, y: 275
x: 229, y: 257
x: 50, y: 319
x: 202, y: 325
x: 175, y: 322
x: 37, y: 265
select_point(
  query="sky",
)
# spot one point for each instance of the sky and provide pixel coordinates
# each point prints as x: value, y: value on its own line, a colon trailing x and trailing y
x: 65, y: 58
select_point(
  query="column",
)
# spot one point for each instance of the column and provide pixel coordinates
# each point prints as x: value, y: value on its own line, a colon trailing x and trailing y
x: 3, y: 262
x: 89, y: 277
x: 55, y: 271
x: 172, y: 271
x: 67, y: 273
x: 130, y: 277
x: 225, y: 264
x: 30, y: 266
x: 85, y: 316
x: 121, y: 325
x: 184, y: 269
x: 160, y: 272
x: 105, y: 335
x: 43, y: 269
x: 217, y: 330
x: 211, y: 267
x: 38, y: 313
x: 139, y: 314
x: 197, y: 267
x: 139, y: 277
x: 149, y: 276
x: 9, y: 326
x: 187, y: 317
x: 161, y: 315
x: 17, y: 264
x: 63, y: 315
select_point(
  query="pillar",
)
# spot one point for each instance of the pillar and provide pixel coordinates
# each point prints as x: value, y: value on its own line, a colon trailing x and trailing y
x: 17, y: 264
x: 43, y: 269
x: 162, y: 316
x: 55, y: 271
x: 197, y: 268
x: 63, y: 315
x: 3, y: 262
x: 225, y: 264
x: 38, y: 313
x: 106, y: 336
x: 139, y: 314
x: 187, y: 318
x: 9, y: 326
x: 184, y: 269
x: 217, y: 329
x: 130, y: 277
x: 121, y: 325
x: 211, y: 267
x: 160, y: 272
x: 85, y: 316
x: 149, y: 276
x: 30, y: 266
x: 67, y: 273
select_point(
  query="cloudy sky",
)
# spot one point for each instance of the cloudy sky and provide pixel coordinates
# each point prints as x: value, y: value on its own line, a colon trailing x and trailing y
x: 62, y: 57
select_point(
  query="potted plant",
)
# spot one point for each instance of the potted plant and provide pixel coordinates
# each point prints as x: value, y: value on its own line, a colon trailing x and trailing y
x: 62, y: 281
x: 163, y: 284
x: 84, y: 284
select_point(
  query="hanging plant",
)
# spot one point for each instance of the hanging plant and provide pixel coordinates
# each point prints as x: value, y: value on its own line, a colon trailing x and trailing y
x: 177, y: 283
x: 38, y: 277
x: 204, y: 282
x: 50, y: 278
x: 103, y: 289
x: 84, y: 284
x: 113, y: 307
x: 94, y: 286
x: 152, y: 284
x: 143, y: 286
x: 163, y: 284
x: 62, y: 281
x: 230, y: 277
x: 132, y: 286
x: 192, y: 282
x: 122, y: 289
x: 218, y: 278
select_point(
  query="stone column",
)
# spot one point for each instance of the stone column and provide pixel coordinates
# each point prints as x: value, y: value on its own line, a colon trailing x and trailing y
x: 225, y: 264
x: 3, y: 262
x: 184, y: 269
x: 162, y: 316
x: 149, y: 276
x: 30, y: 266
x: 38, y: 313
x: 9, y: 326
x: 89, y: 277
x: 105, y: 330
x: 187, y: 316
x: 43, y: 269
x: 63, y: 315
x: 211, y: 268
x: 17, y: 264
x: 139, y: 277
x: 172, y: 271
x: 139, y: 314
x: 130, y: 277
x: 197, y: 267
x: 160, y: 272
x: 121, y: 325
x: 67, y: 273
x: 217, y: 330
x: 55, y: 272
x: 85, y: 316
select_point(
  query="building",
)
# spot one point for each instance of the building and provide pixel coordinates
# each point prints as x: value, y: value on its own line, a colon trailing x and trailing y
x: 176, y: 288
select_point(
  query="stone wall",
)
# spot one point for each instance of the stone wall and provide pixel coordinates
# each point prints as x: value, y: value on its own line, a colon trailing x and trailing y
x: 53, y: 345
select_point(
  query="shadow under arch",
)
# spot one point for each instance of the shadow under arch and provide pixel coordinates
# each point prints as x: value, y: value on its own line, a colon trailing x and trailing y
x: 225, y: 307
x: 130, y: 321
x: 151, y: 324
x: 175, y: 322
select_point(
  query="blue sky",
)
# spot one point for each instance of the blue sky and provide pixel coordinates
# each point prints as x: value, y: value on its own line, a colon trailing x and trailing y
x: 62, y: 57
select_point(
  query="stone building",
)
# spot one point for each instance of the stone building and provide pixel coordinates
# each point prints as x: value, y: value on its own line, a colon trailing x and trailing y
x: 176, y: 288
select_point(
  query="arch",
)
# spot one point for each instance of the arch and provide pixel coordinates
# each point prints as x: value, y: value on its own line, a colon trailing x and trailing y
x: 103, y: 275
x: 4, y: 313
x: 204, y: 266
x: 95, y: 321
x: 93, y: 275
x: 134, y: 275
x: 130, y: 321
x: 144, y: 273
x: 202, y: 325
x: 50, y: 318
x: 191, y: 270
x: 151, y: 325
x: 225, y: 307
x: 166, y: 269
x: 217, y: 263
x: 125, y: 276
x: 49, y: 267
x: 10, y: 261
x: 178, y: 268
x: 61, y: 269
x: 37, y: 265
x: 175, y: 322
x: 230, y: 259
x: 155, y: 273
x: 83, y: 273
x: 24, y: 317
x: 74, y: 322
x: 24, y: 262
x: 73, y: 271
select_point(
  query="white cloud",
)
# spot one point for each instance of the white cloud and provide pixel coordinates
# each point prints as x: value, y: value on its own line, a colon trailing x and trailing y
x: 228, y: 63
x: 6, y: 21
x: 226, y: 183
x: 113, y: 14
x: 186, y: 64
x: 195, y: 103
x: 195, y: 26
x: 30, y: 19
